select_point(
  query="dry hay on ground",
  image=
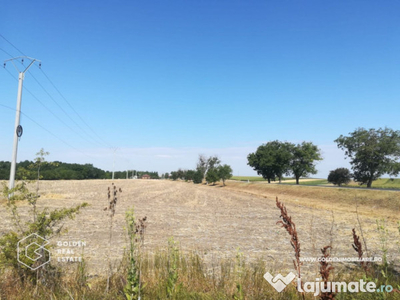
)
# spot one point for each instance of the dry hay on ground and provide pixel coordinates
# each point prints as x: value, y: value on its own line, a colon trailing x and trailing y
x: 214, y: 221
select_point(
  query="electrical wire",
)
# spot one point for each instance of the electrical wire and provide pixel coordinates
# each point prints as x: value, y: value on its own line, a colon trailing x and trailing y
x: 62, y: 96
x: 12, y: 45
x: 16, y: 48
x: 48, y: 131
x: 6, y: 52
x: 48, y: 109
x: 51, y: 97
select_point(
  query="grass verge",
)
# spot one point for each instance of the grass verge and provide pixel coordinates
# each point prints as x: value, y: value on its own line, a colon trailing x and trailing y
x: 227, y: 279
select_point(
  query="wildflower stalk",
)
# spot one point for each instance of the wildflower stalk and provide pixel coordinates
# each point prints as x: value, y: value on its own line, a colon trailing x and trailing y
x: 290, y: 227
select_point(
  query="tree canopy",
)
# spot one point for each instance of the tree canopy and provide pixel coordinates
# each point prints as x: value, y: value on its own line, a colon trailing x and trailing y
x: 276, y: 158
x: 207, y: 168
x: 224, y: 172
x: 372, y: 153
x: 271, y: 160
x: 205, y: 164
x: 212, y: 176
x: 339, y: 176
x: 64, y: 171
x: 304, y: 157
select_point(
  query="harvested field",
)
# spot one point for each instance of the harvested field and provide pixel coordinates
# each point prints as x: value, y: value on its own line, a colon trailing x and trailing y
x: 215, y: 221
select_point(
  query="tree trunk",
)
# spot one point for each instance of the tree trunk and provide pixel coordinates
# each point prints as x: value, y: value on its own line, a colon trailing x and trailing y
x: 369, y: 183
x: 297, y: 180
x: 280, y: 179
x: 269, y: 180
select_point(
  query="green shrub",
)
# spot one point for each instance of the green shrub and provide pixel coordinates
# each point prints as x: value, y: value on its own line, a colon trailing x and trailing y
x: 339, y: 176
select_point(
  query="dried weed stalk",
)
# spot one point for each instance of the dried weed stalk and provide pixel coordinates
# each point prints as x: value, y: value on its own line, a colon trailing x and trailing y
x: 357, y: 246
x: 361, y: 231
x: 112, y: 196
x: 112, y: 200
x: 290, y: 227
x: 324, y: 269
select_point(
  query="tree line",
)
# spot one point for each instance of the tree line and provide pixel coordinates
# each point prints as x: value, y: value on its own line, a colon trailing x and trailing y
x: 134, y: 173
x: 27, y: 170
x: 207, y: 168
x: 275, y: 159
x: 372, y: 153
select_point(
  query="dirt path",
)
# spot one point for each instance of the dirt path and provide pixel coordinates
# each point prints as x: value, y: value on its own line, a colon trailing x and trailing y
x: 213, y: 220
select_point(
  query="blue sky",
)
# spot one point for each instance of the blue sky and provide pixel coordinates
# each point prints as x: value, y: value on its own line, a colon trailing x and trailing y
x: 166, y: 80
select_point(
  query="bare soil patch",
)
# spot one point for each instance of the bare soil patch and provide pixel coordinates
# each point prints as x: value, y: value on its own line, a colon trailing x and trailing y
x: 215, y: 221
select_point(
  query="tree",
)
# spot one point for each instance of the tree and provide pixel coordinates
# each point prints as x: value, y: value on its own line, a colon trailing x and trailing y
x: 262, y: 164
x: 373, y: 152
x: 282, y: 157
x: 180, y: 173
x: 197, y: 177
x: 271, y: 160
x: 202, y: 165
x: 224, y: 172
x: 339, y: 176
x: 212, y: 176
x: 302, y: 162
x: 174, y: 175
x: 189, y: 174
x: 206, y: 163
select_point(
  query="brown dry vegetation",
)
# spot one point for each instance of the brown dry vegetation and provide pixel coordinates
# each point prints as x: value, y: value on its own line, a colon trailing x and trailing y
x: 374, y: 203
x: 217, y: 221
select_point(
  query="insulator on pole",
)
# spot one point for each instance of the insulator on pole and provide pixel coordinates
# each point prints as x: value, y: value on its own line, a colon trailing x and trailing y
x: 18, y: 128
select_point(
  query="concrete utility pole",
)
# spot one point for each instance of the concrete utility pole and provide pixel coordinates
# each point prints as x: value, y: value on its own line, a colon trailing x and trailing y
x: 115, y: 149
x: 17, y: 127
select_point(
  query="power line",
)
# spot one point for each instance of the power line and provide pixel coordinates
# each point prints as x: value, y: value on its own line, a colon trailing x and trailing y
x: 48, y: 109
x: 12, y: 45
x: 6, y: 52
x: 62, y: 96
x: 58, y: 92
x: 51, y: 97
x: 54, y: 135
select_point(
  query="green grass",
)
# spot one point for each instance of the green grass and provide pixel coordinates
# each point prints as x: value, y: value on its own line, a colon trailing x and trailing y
x: 382, y: 183
x: 250, y: 178
x: 314, y: 182
x: 253, y: 178
x: 309, y: 182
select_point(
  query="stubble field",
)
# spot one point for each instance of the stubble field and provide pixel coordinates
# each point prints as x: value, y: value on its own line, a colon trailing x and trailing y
x: 218, y: 222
